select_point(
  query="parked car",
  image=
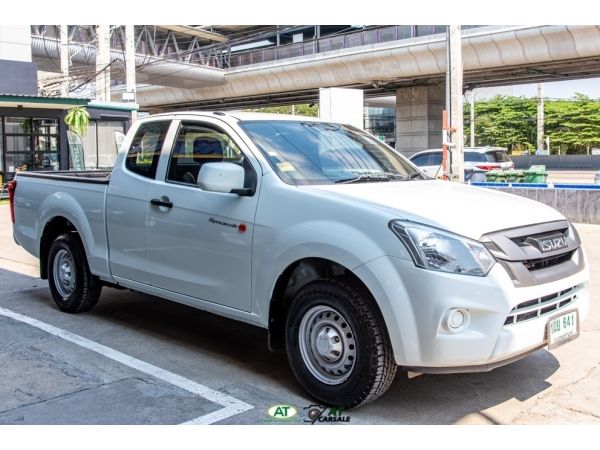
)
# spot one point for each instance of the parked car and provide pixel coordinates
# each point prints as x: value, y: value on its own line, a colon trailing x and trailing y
x: 482, y: 158
x: 353, y: 260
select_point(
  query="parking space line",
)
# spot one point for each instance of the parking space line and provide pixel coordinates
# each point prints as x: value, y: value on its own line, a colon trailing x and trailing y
x: 231, y: 405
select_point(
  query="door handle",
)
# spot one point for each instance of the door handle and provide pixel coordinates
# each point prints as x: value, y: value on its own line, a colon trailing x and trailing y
x: 159, y: 202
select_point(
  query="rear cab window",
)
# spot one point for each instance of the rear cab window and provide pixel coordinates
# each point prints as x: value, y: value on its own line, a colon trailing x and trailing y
x: 144, y: 151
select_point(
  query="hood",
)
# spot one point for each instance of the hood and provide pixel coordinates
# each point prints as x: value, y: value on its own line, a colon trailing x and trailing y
x: 462, y: 209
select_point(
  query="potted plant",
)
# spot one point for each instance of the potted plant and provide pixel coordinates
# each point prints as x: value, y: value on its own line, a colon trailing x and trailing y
x: 78, y: 119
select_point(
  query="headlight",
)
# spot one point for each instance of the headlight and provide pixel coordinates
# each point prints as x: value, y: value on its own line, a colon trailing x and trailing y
x: 436, y: 249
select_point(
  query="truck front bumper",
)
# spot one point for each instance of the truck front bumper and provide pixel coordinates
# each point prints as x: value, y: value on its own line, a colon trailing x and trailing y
x: 417, y: 303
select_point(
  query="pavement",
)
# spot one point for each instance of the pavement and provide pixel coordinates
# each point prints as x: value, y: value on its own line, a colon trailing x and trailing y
x: 137, y: 359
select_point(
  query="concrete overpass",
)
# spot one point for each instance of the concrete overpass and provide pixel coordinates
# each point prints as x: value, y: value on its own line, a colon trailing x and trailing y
x: 412, y: 68
x: 496, y: 55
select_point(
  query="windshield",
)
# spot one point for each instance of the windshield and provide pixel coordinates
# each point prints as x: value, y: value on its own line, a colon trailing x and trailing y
x: 474, y: 157
x: 498, y: 156
x: 325, y: 153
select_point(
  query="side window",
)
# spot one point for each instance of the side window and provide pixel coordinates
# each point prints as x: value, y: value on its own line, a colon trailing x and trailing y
x: 421, y: 160
x: 436, y: 159
x: 142, y: 157
x: 197, y: 144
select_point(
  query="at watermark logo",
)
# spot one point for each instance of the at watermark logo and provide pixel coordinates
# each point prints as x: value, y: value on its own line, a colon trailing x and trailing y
x: 282, y: 412
x: 326, y: 414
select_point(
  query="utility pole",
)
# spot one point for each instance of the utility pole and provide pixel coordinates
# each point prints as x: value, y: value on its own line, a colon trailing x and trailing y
x: 64, y: 60
x: 540, y: 119
x: 130, y: 66
x: 103, y: 63
x: 472, y: 117
x: 454, y: 102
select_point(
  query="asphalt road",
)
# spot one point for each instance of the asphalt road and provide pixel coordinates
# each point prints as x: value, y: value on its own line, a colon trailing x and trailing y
x: 136, y: 359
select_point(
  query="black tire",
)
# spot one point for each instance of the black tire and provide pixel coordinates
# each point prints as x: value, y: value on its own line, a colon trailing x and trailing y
x: 82, y: 293
x: 374, y: 367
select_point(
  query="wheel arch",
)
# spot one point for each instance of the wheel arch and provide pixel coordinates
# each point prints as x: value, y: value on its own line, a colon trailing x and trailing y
x: 52, y: 229
x: 294, y: 277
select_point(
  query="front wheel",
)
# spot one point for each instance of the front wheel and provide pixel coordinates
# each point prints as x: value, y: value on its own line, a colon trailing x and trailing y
x: 72, y: 285
x: 337, y: 345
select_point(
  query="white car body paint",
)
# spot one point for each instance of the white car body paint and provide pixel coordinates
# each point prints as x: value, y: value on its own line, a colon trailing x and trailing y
x: 234, y: 273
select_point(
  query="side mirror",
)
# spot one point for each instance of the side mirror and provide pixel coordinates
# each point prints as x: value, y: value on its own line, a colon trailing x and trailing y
x: 223, y: 177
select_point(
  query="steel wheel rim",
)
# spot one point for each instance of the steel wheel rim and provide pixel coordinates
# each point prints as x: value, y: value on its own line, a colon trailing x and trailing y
x: 327, y: 344
x: 63, y: 271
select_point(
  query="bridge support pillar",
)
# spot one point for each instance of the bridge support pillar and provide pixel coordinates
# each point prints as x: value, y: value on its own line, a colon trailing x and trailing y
x: 419, y: 118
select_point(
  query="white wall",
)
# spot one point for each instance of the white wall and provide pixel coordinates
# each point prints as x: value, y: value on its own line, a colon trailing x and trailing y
x: 342, y: 105
x: 15, y: 42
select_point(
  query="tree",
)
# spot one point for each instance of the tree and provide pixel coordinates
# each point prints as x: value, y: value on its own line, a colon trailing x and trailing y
x: 304, y: 109
x: 506, y: 121
x: 503, y: 121
x: 573, y: 124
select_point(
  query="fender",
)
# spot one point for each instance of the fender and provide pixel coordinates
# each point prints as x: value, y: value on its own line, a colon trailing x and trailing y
x: 291, y: 245
x: 92, y: 231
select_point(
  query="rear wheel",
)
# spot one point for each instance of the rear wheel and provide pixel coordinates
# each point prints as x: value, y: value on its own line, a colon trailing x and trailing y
x: 72, y: 285
x: 337, y: 345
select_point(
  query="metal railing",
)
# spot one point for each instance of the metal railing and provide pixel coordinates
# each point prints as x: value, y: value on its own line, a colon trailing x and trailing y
x: 189, y: 50
x: 330, y: 43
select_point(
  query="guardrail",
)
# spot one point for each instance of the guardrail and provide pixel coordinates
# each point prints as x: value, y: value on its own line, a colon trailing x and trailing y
x: 329, y: 43
x: 585, y: 162
x: 577, y: 202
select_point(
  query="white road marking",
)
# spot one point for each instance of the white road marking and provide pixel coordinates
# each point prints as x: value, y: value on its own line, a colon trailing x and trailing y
x: 231, y: 405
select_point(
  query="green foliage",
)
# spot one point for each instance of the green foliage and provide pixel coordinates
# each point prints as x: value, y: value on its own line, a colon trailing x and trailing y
x: 311, y: 110
x: 572, y: 125
x: 78, y: 119
x: 504, y: 121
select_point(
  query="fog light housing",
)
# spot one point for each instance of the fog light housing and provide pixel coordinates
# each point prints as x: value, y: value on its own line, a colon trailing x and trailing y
x: 456, y: 319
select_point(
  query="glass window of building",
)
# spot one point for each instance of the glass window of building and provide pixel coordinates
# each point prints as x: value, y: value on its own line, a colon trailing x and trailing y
x: 31, y: 144
x: 2, y: 148
x: 381, y: 123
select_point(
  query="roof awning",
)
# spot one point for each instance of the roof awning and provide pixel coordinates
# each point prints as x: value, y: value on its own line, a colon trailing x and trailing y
x: 28, y: 101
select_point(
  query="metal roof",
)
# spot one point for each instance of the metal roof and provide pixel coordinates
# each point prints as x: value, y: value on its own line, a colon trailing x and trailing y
x: 37, y: 101
x: 59, y: 101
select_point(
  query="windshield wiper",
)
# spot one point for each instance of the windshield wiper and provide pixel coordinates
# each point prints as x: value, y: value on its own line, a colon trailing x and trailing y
x: 412, y: 176
x: 362, y: 178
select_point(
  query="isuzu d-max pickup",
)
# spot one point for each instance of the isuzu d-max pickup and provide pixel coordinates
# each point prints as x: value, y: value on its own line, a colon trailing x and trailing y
x: 354, y: 260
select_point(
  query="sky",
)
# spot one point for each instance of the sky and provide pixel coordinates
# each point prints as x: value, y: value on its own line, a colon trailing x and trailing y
x: 555, y: 89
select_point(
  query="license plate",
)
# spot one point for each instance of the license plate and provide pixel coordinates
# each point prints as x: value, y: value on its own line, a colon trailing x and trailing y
x: 562, y: 329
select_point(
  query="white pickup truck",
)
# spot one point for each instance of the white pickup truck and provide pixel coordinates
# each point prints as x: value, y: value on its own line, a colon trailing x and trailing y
x: 353, y: 259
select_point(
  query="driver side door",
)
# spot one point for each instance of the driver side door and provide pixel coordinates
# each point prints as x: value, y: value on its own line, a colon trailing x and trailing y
x: 200, y: 245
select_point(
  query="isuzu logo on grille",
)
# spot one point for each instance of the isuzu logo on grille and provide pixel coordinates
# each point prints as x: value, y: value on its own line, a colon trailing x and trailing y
x: 549, y: 243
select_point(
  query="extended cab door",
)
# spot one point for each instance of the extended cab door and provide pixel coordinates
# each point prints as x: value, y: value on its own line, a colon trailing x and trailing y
x: 127, y: 202
x: 200, y: 242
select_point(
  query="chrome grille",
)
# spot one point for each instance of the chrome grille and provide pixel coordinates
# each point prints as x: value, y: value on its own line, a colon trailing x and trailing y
x: 532, y: 309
